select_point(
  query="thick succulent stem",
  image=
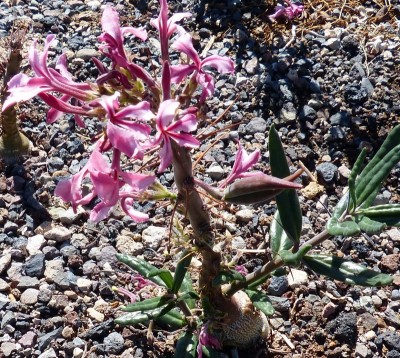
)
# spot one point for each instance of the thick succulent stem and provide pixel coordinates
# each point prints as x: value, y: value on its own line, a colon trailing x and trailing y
x: 234, y: 320
x: 199, y: 219
x: 13, y: 143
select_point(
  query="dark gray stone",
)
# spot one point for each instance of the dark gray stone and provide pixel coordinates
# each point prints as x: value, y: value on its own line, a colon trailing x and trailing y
x: 328, y: 172
x: 8, y: 318
x: 278, y: 286
x: 281, y: 304
x: 344, y: 328
x: 44, y: 341
x: 256, y: 125
x: 308, y: 113
x: 340, y: 119
x: 99, y: 331
x: 34, y: 266
x: 390, y: 339
x: 114, y: 343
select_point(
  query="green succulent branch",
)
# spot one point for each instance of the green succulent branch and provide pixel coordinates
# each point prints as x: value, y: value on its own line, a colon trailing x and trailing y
x: 13, y: 143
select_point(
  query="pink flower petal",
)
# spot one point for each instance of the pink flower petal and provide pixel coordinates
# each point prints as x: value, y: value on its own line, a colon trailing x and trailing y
x: 99, y: 212
x: 185, y: 140
x: 165, y: 155
x: 140, y: 111
x: 180, y: 72
x: 138, y: 182
x: 186, y: 123
x: 140, y: 33
x: 184, y: 44
x: 221, y: 64
x: 122, y: 140
x: 126, y: 204
x: 166, y: 112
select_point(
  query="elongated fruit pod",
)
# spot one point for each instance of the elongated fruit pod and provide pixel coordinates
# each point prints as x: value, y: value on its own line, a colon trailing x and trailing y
x: 259, y: 188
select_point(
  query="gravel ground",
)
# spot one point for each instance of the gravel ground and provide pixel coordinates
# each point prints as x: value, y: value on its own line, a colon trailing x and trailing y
x: 331, y: 89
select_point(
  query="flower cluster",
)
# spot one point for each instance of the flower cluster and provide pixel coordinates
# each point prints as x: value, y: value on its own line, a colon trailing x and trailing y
x: 138, y: 111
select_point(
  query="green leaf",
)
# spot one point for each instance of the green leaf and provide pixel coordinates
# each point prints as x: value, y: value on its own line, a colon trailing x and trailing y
x: 353, y: 176
x: 259, y: 282
x: 186, y: 346
x: 181, y: 269
x: 294, y: 259
x: 227, y: 276
x: 388, y: 214
x: 169, y: 318
x: 172, y: 318
x: 212, y: 353
x: 341, y: 207
x: 146, y: 305
x: 191, y: 295
x: 370, y: 226
x: 345, y: 228
x: 261, y: 301
x: 278, y: 238
x: 288, y: 201
x: 165, y: 275
x: 377, y: 170
x: 346, y: 271
x: 142, y: 267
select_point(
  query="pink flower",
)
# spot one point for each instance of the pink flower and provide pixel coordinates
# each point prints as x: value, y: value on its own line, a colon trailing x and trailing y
x: 241, y: 269
x: 125, y: 135
x: 170, y: 126
x: 208, y: 340
x: 166, y: 27
x: 23, y: 88
x: 110, y: 184
x: 243, y: 163
x: 113, y: 37
x: 290, y: 11
x: 205, y: 80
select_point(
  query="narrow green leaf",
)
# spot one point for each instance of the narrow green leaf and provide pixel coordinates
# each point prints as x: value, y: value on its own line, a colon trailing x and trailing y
x: 261, y: 301
x: 186, y: 346
x: 341, y: 207
x: 345, y: 228
x: 191, y: 295
x: 140, y: 266
x: 187, y: 286
x: 346, y: 271
x: 165, y: 275
x: 353, y: 176
x: 259, y: 282
x: 181, y: 269
x: 171, y: 318
x: 146, y: 305
x: 288, y: 201
x: 278, y: 238
x: 226, y: 277
x: 377, y: 170
x: 387, y: 213
x: 370, y: 226
x: 294, y: 259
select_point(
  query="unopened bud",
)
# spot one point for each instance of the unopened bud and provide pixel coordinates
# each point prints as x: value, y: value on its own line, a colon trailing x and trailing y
x: 259, y: 188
